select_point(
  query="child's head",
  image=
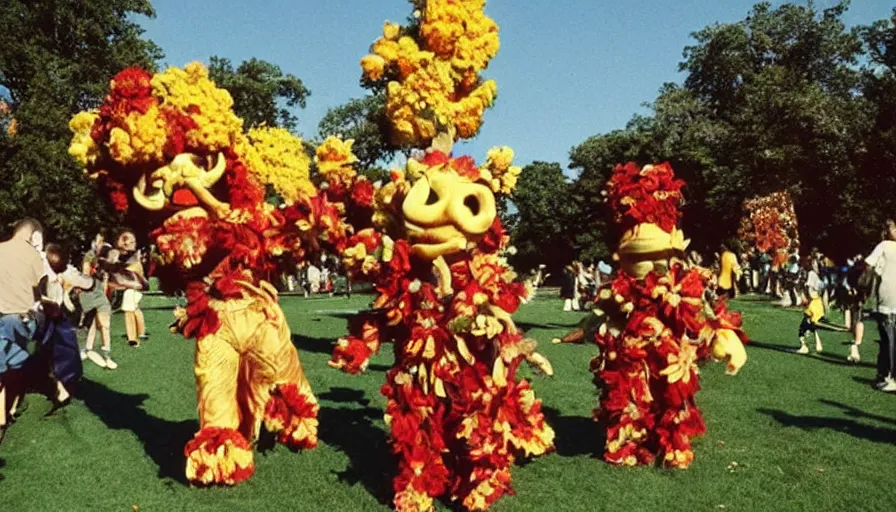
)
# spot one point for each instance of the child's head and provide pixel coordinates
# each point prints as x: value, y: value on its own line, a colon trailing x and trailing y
x: 57, y: 258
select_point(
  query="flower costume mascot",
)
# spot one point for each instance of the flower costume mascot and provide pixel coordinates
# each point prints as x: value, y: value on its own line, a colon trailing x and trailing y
x: 652, y: 326
x: 433, y: 247
x: 171, y: 156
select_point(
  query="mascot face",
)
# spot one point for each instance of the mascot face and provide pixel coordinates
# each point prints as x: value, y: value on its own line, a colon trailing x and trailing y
x: 182, y: 183
x: 444, y: 213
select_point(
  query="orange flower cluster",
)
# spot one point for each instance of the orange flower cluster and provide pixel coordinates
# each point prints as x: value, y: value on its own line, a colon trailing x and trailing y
x: 433, y: 71
x: 645, y: 195
x: 292, y: 416
x: 652, y: 331
x: 210, y: 445
x: 769, y: 223
x: 457, y: 411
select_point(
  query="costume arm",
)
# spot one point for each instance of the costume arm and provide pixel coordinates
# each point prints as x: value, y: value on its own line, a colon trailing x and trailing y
x: 352, y: 353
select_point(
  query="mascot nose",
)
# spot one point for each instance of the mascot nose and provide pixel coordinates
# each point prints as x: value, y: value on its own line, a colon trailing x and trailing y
x: 426, y: 204
x: 443, y: 199
x: 472, y: 208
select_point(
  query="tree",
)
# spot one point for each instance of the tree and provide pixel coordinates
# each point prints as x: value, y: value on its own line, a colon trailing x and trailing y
x: 361, y: 119
x: 540, y: 227
x: 877, y: 172
x: 783, y: 85
x: 770, y: 102
x: 259, y: 90
x: 56, y: 59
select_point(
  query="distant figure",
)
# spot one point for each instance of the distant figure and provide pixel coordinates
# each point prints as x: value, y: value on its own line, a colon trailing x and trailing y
x: 313, y: 274
x: 568, y: 287
x: 729, y: 273
x: 604, y: 271
x: 814, y: 311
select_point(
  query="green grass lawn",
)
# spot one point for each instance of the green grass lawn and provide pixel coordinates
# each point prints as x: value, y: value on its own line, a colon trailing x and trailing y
x: 789, y: 432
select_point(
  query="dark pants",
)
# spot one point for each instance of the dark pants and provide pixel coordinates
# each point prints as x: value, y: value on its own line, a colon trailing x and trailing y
x: 728, y: 293
x: 806, y: 326
x: 886, y: 356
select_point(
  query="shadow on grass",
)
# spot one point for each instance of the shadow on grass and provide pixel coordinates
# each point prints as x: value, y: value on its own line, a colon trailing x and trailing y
x: 550, y: 325
x: 824, y: 356
x: 162, y: 440
x: 2, y: 465
x: 847, y: 426
x: 864, y: 380
x: 352, y: 431
x: 576, y: 435
x: 309, y: 344
x: 852, y: 411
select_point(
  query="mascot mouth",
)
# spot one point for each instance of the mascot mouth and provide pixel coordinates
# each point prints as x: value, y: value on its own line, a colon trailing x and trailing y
x: 431, y: 242
x: 184, y: 183
x: 152, y: 197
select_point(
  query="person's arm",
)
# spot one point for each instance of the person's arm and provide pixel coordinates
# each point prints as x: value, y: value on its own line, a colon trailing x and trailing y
x: 875, y: 255
x: 74, y: 279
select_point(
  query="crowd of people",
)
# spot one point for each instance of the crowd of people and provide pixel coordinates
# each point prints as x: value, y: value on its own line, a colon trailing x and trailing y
x: 581, y: 281
x: 328, y: 277
x: 44, y: 298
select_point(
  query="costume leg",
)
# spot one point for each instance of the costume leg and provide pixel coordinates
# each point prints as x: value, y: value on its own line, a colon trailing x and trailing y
x: 218, y: 453
x: 516, y: 424
x: 417, y: 439
x: 276, y: 388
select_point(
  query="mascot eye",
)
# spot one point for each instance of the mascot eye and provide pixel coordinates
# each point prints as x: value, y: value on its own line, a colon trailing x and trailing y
x: 433, y: 197
x: 472, y: 202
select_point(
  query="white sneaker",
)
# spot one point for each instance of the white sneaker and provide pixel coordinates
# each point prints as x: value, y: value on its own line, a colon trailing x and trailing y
x: 96, y: 358
x: 110, y: 364
x: 818, y: 348
x: 889, y: 385
x: 803, y: 350
x: 83, y: 355
x: 853, y: 354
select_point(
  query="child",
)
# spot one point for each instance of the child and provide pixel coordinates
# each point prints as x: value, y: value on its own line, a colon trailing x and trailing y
x: 811, y: 316
x: 94, y: 300
x: 57, y: 338
x: 134, y: 323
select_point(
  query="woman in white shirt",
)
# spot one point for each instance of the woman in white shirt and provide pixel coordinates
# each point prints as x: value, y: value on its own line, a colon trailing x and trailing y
x: 883, y: 260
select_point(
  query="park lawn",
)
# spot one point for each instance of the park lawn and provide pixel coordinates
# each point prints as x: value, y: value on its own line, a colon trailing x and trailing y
x: 789, y: 432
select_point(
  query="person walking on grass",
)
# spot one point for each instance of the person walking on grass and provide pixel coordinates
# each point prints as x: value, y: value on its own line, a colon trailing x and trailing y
x: 814, y: 311
x: 812, y: 315
x: 883, y: 260
x: 134, y: 323
x: 855, y: 288
x: 113, y: 275
x: 729, y: 273
x: 20, y: 273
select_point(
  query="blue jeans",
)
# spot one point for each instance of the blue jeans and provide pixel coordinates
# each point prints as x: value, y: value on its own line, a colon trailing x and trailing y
x: 15, y: 333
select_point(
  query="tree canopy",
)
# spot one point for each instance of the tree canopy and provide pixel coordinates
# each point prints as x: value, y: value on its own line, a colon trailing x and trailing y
x: 786, y: 99
x: 261, y: 93
x: 56, y: 59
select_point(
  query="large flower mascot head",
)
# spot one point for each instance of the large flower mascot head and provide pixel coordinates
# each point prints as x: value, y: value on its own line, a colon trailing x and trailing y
x: 431, y: 242
x: 171, y: 156
x: 769, y: 224
x: 652, y: 325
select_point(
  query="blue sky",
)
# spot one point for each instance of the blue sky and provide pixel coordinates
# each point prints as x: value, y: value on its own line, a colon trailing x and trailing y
x: 567, y: 69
